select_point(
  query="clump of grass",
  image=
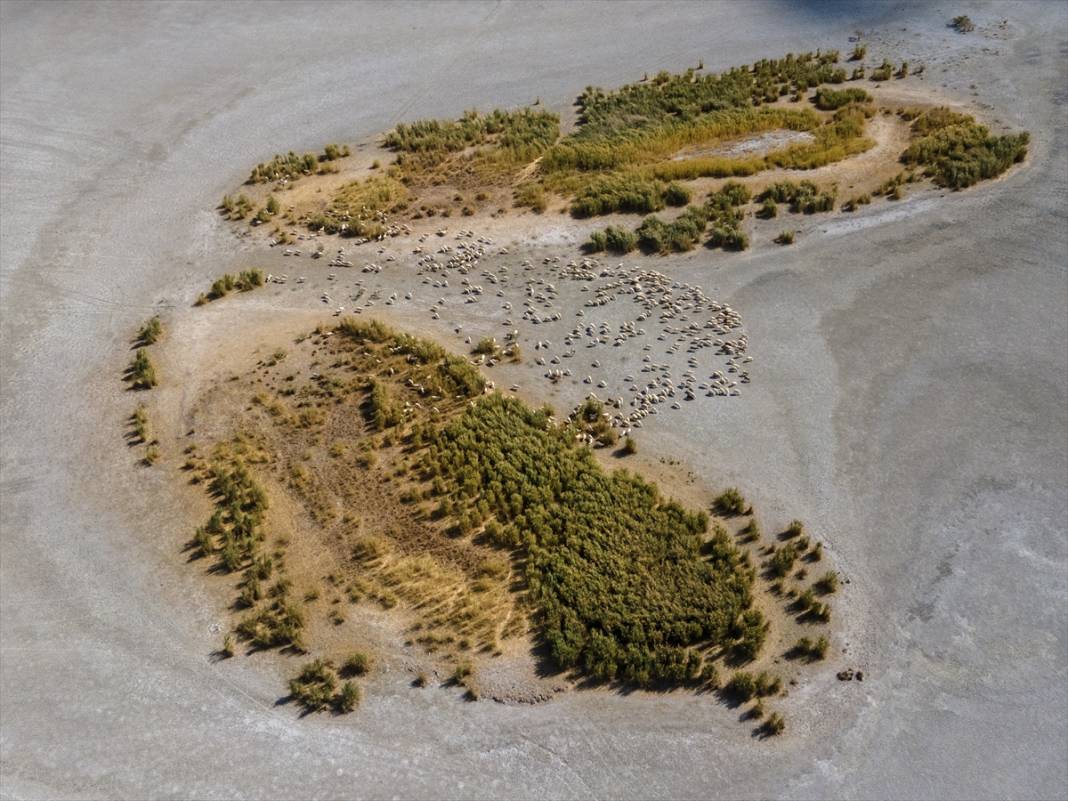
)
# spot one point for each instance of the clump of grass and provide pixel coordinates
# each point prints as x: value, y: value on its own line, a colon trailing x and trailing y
x: 532, y: 196
x: 357, y: 663
x: 630, y: 447
x: 745, y: 686
x: 962, y: 24
x: 348, y: 698
x: 749, y: 631
x: 812, y: 650
x: 782, y: 560
x: 883, y: 72
x: 289, y: 167
x: 731, y: 502
x: 313, y: 688
x: 827, y: 584
x: 786, y: 237
x: 486, y: 346
x: 834, y: 99
x: 152, y: 455
x: 227, y: 649
x: 774, y: 725
x: 795, y: 529
x: 859, y: 51
x: 141, y: 374
x: 612, y: 239
x: 149, y: 332
x: 804, y: 197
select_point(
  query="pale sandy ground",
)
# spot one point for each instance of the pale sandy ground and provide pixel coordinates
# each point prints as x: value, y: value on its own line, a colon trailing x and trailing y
x: 910, y: 405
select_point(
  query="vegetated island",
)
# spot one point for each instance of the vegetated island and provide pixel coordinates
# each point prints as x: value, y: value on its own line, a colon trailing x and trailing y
x: 481, y: 522
x: 658, y: 147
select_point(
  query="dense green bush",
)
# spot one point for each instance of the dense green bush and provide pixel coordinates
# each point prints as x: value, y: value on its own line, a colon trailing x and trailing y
x: 958, y: 152
x: 314, y: 686
x: 612, y: 239
x: 619, y: 193
x: 833, y: 99
x: 616, y: 572
x: 731, y: 502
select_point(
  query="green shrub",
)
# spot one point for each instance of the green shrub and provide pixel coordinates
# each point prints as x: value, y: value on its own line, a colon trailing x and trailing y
x: 630, y: 447
x: 749, y: 630
x: 677, y: 194
x: 834, y: 99
x: 962, y: 24
x: 149, y: 332
x: 357, y: 664
x: 883, y: 73
x: 314, y: 686
x: 141, y: 373
x: 858, y: 53
x: 785, y: 238
x: 731, y: 502
x: 623, y: 193
x: 782, y: 560
x: 827, y: 583
x: 960, y: 152
x: 741, y: 686
x: 549, y: 493
x: 774, y: 725
x: 348, y: 698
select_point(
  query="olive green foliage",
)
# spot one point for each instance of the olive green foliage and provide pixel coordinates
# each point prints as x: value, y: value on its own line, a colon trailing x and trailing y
x: 613, y: 239
x: 290, y: 166
x: 383, y: 410
x: 731, y: 502
x: 785, y: 238
x: 243, y: 282
x: 743, y: 686
x: 314, y: 686
x: 615, y: 572
x: 883, y: 72
x: 782, y: 560
x: 630, y: 446
x: 525, y: 133
x: 486, y: 346
x: 833, y: 99
x: 858, y: 53
x: 681, y: 234
x: 959, y: 152
x: 590, y: 418
x: 619, y: 193
x: 812, y: 650
x: 333, y: 152
x: 827, y: 583
x: 804, y: 197
x: 357, y: 664
x: 749, y: 632
x: 446, y: 373
x: 141, y: 374
x: 533, y: 196
x: 962, y: 24
x: 357, y: 206
x: 149, y: 332
x: 347, y: 698
x: 688, y: 96
x: 774, y: 725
